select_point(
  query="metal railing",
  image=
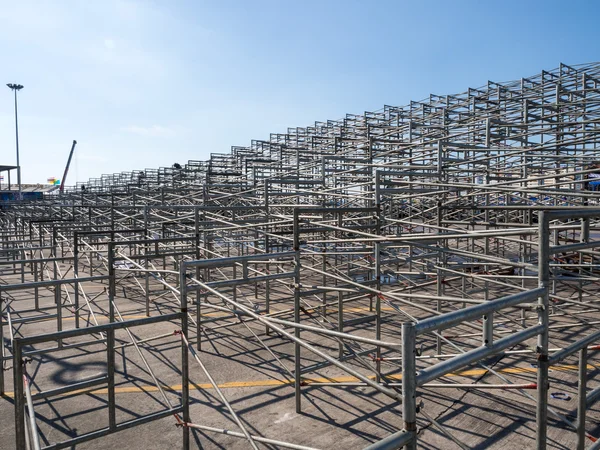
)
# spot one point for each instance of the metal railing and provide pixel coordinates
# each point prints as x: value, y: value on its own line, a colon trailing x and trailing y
x: 23, y: 395
x: 412, y: 379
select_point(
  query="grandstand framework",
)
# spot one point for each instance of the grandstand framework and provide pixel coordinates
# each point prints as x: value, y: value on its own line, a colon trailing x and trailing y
x: 393, y: 278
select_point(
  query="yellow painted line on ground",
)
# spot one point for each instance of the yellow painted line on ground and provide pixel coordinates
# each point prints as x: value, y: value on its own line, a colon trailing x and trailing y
x: 307, y: 381
x: 100, y: 318
x: 216, y: 314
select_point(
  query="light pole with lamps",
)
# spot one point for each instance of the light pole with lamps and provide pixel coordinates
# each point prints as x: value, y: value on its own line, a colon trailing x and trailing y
x: 16, y: 88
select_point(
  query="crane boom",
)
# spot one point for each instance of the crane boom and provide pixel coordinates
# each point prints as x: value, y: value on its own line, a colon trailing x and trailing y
x: 64, y: 178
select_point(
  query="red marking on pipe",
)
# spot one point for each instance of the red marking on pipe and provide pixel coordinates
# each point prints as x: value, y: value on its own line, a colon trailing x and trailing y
x: 176, y: 332
x: 529, y: 386
x: 594, y: 347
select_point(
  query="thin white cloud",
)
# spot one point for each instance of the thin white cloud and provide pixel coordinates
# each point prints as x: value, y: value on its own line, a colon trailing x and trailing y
x: 48, y: 27
x: 151, y: 131
x: 92, y: 157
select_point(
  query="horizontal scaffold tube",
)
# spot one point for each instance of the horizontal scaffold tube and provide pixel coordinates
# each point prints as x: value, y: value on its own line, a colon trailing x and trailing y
x: 441, y: 369
x: 455, y: 317
x: 393, y: 441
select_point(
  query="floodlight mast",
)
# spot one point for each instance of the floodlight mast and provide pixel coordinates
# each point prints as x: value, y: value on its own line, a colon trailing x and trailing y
x: 17, y: 87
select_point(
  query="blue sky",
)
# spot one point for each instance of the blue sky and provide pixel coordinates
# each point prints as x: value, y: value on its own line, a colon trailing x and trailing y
x: 149, y: 83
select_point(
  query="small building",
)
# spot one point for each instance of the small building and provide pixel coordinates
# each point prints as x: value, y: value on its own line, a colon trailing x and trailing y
x: 9, y: 189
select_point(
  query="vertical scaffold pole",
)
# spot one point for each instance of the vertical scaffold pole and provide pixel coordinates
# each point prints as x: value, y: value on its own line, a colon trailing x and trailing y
x: 581, y: 400
x: 110, y: 339
x: 542, y: 346
x: 409, y: 382
x: 19, y: 396
x: 297, y: 355
x: 185, y: 389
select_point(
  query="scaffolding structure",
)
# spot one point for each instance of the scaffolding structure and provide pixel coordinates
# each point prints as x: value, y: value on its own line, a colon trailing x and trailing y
x: 356, y: 240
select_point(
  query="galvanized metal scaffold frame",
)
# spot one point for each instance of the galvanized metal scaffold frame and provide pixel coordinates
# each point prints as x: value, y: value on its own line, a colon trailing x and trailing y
x: 390, y: 249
